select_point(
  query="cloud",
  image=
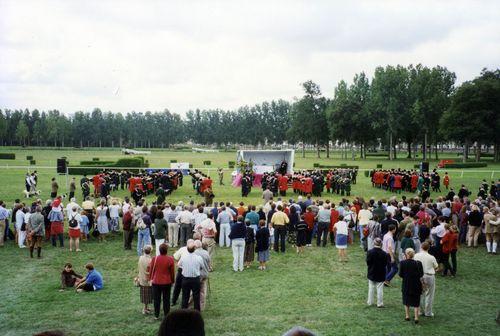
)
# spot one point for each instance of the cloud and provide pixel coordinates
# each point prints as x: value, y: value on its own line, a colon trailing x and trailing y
x: 150, y: 55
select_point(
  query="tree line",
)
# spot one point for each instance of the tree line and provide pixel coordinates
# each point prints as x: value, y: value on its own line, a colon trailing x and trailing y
x: 412, y: 107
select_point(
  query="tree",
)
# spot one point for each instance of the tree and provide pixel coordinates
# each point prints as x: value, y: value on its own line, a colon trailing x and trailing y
x: 473, y: 115
x: 390, y: 95
x: 22, y: 132
x: 431, y: 89
x: 308, y: 119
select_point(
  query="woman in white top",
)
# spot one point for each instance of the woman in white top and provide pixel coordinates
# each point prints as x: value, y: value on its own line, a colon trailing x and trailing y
x: 114, y: 214
x: 364, y: 217
x: 102, y: 220
x: 341, y: 230
x: 74, y: 221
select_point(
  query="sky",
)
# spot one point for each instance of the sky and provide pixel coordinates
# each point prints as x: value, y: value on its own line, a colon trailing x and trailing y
x: 124, y: 56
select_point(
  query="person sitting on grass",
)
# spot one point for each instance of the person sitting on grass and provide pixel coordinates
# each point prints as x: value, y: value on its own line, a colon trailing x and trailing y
x: 92, y: 282
x: 68, y: 277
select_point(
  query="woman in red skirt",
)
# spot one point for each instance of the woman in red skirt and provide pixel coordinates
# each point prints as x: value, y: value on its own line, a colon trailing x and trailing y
x: 74, y: 221
x: 56, y: 219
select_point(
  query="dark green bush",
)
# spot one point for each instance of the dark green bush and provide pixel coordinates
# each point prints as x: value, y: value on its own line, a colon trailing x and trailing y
x: 207, y: 163
x: 95, y: 159
x: 96, y: 163
x: 367, y: 173
x: 316, y: 165
x: 173, y: 161
x: 467, y: 165
x: 29, y: 157
x: 32, y: 162
x: 379, y: 166
x: 7, y: 156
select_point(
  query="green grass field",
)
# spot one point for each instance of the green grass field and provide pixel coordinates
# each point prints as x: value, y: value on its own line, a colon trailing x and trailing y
x: 312, y: 290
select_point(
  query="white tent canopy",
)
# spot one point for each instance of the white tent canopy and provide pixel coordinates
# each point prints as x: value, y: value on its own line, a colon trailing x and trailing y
x: 267, y: 160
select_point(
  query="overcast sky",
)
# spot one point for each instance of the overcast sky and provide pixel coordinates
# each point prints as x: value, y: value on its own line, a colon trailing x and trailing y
x: 150, y: 55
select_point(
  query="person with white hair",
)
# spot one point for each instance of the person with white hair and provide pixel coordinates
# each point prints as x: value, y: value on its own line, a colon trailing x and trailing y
x: 69, y: 208
x: 185, y: 220
x: 411, y: 271
x: 199, y: 250
x: 377, y: 261
x: 114, y: 215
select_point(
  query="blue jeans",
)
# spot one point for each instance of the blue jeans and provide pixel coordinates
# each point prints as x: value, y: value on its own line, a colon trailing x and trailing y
x: 143, y: 239
x: 254, y: 227
x: 392, y: 269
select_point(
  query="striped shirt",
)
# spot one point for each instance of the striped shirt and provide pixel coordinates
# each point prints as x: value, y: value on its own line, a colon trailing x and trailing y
x: 191, y: 265
x: 171, y: 216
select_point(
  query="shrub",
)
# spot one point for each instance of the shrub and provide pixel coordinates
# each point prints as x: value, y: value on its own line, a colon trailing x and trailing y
x: 333, y: 167
x: 379, y: 166
x: 29, y: 157
x: 96, y: 163
x: 173, y: 161
x: 367, y: 173
x: 316, y: 165
x: 129, y: 162
x: 207, y: 163
x: 467, y: 165
x: 95, y: 159
x: 231, y: 163
x: 190, y: 165
x: 32, y: 162
x: 7, y: 156
x: 378, y: 154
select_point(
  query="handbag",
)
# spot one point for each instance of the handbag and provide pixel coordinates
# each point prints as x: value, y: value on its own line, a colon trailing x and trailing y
x: 96, y: 233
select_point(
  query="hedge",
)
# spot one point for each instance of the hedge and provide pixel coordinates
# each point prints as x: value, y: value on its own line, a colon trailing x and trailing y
x: 377, y: 154
x: 173, y: 161
x: 7, y: 156
x: 190, y: 165
x: 207, y: 163
x: 466, y: 165
x: 95, y: 159
x: 231, y: 163
x: 32, y: 162
x: 29, y: 157
x: 367, y: 173
x: 379, y: 166
x: 92, y: 171
x: 316, y: 165
x: 96, y: 163
x: 341, y: 166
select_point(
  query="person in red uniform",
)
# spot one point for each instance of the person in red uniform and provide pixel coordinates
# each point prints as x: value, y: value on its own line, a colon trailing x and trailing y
x: 446, y: 180
x: 309, y: 219
x: 308, y: 187
x: 414, y: 182
x: 96, y: 181
x: 397, y: 183
x: 283, y: 184
x: 334, y: 218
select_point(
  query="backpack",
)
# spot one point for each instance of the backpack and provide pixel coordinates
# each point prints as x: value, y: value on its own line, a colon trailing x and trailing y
x: 140, y: 223
x: 73, y: 223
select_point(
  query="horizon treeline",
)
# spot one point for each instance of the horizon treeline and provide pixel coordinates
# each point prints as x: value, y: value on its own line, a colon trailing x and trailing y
x: 414, y: 106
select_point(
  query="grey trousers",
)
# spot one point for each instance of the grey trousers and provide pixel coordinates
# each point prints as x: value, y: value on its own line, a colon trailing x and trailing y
x: 427, y: 299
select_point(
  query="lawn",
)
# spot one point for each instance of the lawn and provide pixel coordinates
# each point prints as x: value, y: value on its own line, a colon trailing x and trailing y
x: 312, y: 290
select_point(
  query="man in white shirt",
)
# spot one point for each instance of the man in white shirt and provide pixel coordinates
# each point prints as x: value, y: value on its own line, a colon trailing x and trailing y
x: 364, y: 217
x: 72, y: 204
x: 224, y: 219
x: 191, y: 265
x: 392, y: 208
x: 430, y: 265
x: 185, y: 219
x: 114, y: 214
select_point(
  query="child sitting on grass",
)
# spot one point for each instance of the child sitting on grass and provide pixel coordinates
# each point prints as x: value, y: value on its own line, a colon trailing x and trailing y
x: 68, y: 277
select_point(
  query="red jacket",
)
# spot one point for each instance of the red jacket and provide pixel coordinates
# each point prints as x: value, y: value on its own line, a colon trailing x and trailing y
x: 162, y: 270
x: 449, y: 242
